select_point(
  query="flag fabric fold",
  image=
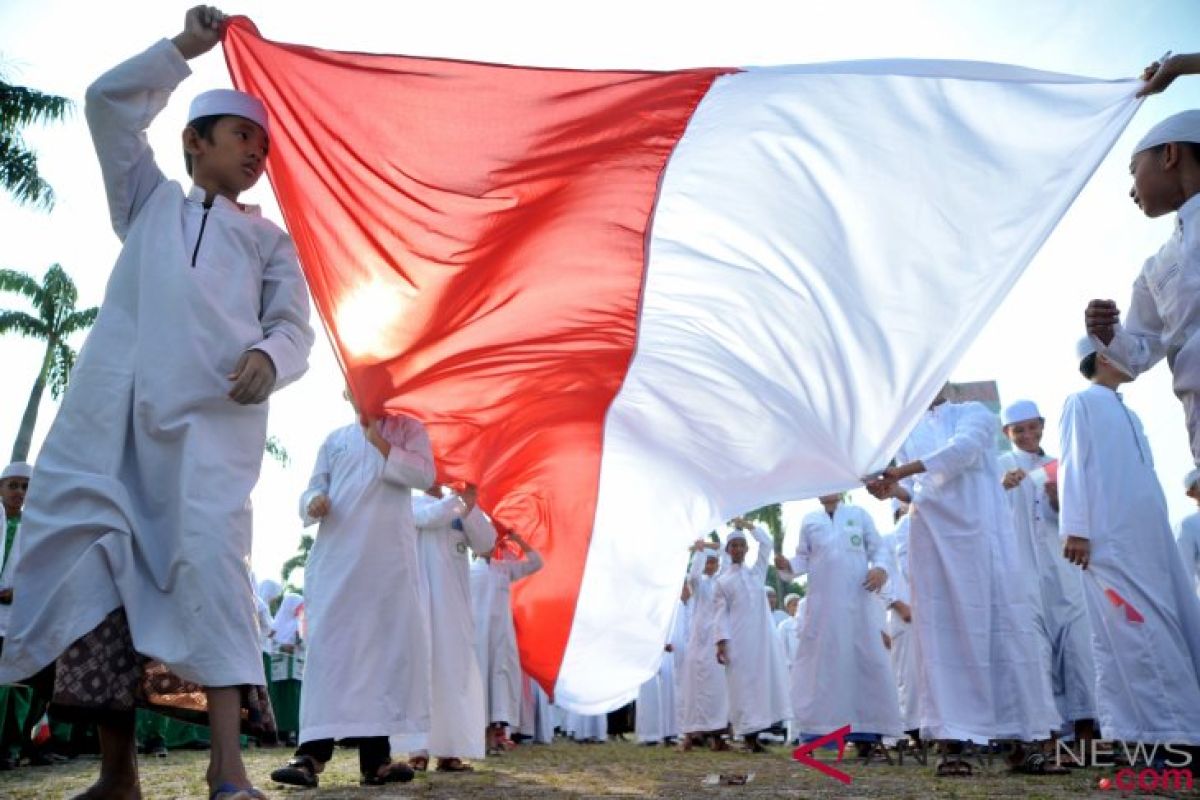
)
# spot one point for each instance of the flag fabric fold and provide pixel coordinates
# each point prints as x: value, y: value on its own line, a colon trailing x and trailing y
x: 630, y: 304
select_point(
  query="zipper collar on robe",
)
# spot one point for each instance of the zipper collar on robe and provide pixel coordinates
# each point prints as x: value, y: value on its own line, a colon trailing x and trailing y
x: 200, y: 196
x: 1188, y: 213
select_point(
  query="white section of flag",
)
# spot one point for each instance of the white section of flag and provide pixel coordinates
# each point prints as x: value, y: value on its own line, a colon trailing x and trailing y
x: 827, y: 242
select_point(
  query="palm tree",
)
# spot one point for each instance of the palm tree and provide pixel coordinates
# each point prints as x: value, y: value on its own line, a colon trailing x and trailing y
x: 19, y: 108
x: 55, y: 319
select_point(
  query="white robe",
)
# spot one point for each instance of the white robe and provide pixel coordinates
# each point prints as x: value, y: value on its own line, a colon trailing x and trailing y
x: 901, y: 654
x: 703, y: 703
x: 1060, y: 588
x: 982, y: 653
x: 457, y: 711
x: 841, y: 674
x: 537, y: 715
x: 140, y: 495
x: 586, y: 727
x: 1148, y: 672
x: 1163, y: 317
x: 655, y: 718
x: 757, y: 680
x: 368, y: 663
x: 495, y: 635
x: 285, y: 630
x: 1188, y: 541
x: 10, y: 566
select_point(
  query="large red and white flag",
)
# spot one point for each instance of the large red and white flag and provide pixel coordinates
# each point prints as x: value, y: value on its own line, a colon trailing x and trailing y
x: 630, y: 304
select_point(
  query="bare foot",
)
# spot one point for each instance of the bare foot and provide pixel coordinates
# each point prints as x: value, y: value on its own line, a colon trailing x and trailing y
x: 112, y: 789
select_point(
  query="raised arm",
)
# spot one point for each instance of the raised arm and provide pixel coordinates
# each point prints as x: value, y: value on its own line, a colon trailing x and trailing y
x: 766, y: 551
x: 1138, y: 343
x: 430, y: 512
x: 480, y: 532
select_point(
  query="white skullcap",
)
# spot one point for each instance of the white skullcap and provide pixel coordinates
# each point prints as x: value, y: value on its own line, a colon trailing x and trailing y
x: 17, y: 469
x: 1019, y: 412
x: 736, y: 533
x: 228, y: 101
x: 1181, y: 127
x: 1084, y: 348
x: 769, y: 589
x: 1190, y: 479
x: 792, y: 596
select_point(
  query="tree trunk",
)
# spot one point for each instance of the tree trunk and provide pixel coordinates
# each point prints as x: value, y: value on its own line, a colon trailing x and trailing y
x: 20, y: 451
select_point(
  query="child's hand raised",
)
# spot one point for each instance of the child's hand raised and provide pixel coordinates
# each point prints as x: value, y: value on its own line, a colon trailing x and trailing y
x: 202, y: 28
x: 253, y: 378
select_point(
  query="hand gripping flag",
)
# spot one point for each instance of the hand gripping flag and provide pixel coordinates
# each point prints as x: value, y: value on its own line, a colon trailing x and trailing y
x: 629, y: 305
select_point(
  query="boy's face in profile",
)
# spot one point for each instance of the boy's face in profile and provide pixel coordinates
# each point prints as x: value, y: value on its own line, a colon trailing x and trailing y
x: 12, y: 493
x: 1026, y: 435
x: 1155, y: 186
x: 233, y: 161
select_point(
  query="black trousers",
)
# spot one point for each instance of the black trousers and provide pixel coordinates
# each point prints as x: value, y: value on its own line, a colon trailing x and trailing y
x: 373, y: 751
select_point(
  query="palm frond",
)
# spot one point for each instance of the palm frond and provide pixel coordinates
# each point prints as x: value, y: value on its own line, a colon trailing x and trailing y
x: 19, y: 174
x: 23, y: 324
x: 21, y: 106
x: 77, y: 321
x: 62, y: 361
x: 275, y: 449
x: 21, y: 283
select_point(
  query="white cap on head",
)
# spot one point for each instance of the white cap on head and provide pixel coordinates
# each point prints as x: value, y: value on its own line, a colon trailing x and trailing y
x: 1181, y: 127
x: 736, y: 533
x: 228, y: 102
x: 1084, y: 348
x: 17, y: 469
x: 790, y: 597
x: 769, y: 589
x: 1190, y: 479
x: 1019, y: 412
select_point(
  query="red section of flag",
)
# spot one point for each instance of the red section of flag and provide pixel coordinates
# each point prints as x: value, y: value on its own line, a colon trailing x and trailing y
x: 1051, y: 471
x: 1131, y: 613
x: 474, y: 236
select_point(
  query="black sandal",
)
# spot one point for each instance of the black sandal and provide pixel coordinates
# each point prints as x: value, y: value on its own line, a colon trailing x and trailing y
x: 954, y: 768
x: 1038, y: 764
x: 395, y: 772
x: 299, y: 771
x: 453, y: 765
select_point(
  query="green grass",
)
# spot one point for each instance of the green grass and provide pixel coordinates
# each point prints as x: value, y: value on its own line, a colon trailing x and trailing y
x: 568, y: 770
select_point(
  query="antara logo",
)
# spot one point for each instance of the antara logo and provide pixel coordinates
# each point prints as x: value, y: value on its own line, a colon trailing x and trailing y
x: 803, y: 754
x: 1175, y: 774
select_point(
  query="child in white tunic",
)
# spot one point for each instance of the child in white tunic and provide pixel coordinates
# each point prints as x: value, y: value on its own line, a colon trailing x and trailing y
x: 138, y: 529
x: 360, y: 686
x: 1145, y: 615
x: 1033, y: 501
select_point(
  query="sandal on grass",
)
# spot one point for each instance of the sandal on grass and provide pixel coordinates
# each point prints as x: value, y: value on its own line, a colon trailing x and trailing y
x: 453, y: 765
x: 419, y: 763
x: 1039, y: 764
x: 299, y: 771
x: 392, y: 772
x: 227, y: 791
x: 954, y: 768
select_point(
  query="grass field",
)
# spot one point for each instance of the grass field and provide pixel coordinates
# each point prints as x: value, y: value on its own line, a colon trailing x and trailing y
x: 568, y: 770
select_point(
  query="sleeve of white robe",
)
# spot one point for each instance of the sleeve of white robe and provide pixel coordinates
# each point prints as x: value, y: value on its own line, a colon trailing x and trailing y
x: 766, y: 552
x: 440, y: 512
x: 287, y: 336
x: 696, y: 568
x: 479, y: 530
x: 721, y: 599
x: 1138, y: 343
x: 119, y: 107
x: 1074, y: 492
x: 974, y: 431
x: 410, y: 461
x: 799, y: 562
x: 878, y: 553
x: 318, y: 484
x: 528, y: 565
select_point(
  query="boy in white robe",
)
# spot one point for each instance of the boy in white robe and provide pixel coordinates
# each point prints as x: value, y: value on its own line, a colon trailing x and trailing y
x: 704, y: 696
x: 360, y: 686
x: 1033, y: 500
x: 655, y: 719
x: 897, y: 600
x: 450, y: 525
x: 1145, y: 615
x: 492, y: 576
x: 746, y: 641
x: 1163, y: 316
x: 842, y: 674
x: 981, y: 650
x: 1187, y: 537
x: 138, y: 529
